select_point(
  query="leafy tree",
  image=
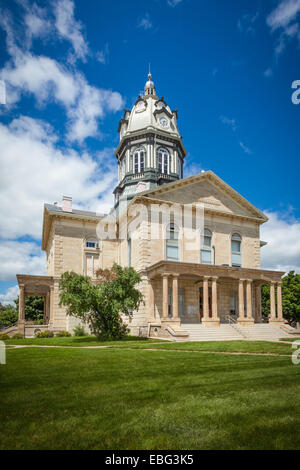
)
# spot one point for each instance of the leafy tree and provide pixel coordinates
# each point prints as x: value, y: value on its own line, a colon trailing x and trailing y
x: 100, y: 304
x: 34, y: 308
x: 8, y: 315
x: 290, y: 297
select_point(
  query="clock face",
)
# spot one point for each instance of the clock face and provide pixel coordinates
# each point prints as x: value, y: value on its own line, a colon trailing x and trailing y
x: 164, y: 122
x: 159, y: 105
x: 140, y: 105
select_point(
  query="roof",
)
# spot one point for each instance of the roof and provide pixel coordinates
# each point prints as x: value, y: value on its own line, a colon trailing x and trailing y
x: 214, y: 179
x: 52, y: 210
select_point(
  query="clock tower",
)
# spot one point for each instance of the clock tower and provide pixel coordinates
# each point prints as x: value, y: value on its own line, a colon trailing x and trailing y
x: 150, y: 152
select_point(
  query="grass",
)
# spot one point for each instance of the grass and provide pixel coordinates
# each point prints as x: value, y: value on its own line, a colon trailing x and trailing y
x: 114, y: 398
x: 77, y: 341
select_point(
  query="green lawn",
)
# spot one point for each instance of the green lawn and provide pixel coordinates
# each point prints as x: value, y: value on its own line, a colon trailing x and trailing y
x: 65, y: 398
x: 78, y: 341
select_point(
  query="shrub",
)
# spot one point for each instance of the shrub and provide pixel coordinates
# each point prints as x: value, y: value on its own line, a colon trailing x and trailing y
x: 17, y: 336
x: 44, y: 334
x: 79, y: 330
x: 4, y: 336
x: 63, y: 333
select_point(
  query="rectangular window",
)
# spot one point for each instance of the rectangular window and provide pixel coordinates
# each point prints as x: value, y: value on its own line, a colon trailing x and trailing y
x: 206, y: 256
x: 159, y: 162
x: 142, y: 162
x: 165, y: 163
x: 136, y: 163
x: 236, y: 260
x: 92, y: 264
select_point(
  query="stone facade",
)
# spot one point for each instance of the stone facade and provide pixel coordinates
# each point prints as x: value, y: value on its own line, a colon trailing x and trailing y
x: 184, y: 287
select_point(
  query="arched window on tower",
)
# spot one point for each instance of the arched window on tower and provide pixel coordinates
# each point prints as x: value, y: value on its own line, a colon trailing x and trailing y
x: 236, y: 253
x: 139, y: 160
x: 206, y: 251
x: 163, y: 160
x: 172, y: 242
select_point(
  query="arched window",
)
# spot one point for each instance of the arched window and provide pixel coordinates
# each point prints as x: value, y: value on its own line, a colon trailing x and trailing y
x: 163, y: 160
x: 236, y: 254
x: 92, y: 243
x: 139, y: 160
x: 206, y: 251
x: 172, y: 243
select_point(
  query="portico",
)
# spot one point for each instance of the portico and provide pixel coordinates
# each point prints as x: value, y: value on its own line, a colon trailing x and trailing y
x: 193, y: 293
x: 40, y: 286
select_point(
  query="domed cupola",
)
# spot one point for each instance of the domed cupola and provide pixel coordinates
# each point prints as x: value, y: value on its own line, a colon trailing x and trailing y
x: 149, y: 86
x: 150, y: 152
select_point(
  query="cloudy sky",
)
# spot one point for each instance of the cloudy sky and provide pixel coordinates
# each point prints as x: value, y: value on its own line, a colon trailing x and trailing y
x: 69, y: 68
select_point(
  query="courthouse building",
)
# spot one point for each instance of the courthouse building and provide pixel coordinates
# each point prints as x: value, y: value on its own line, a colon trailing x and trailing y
x: 215, y: 282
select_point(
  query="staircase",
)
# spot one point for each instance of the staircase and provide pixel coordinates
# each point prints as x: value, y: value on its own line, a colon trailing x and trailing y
x: 233, y: 331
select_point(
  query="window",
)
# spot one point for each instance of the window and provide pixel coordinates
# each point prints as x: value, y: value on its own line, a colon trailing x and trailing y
x: 91, y: 243
x: 206, y: 251
x: 163, y: 161
x: 172, y: 245
x: 236, y: 255
x: 139, y: 160
x: 92, y: 264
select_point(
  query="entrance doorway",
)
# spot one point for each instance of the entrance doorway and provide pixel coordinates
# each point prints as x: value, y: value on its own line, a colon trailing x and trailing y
x: 201, y: 302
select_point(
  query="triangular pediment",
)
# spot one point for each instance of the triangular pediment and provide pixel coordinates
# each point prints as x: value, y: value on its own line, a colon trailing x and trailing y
x: 209, y: 189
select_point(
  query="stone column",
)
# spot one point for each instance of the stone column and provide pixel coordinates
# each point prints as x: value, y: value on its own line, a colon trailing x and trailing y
x: 249, y: 299
x: 165, y: 296
x: 241, y: 300
x: 51, y: 306
x: 214, y: 298
x: 279, y: 302
x: 175, y: 296
x: 151, y: 301
x: 47, y: 307
x: 272, y: 302
x: 258, y: 303
x: 205, y: 299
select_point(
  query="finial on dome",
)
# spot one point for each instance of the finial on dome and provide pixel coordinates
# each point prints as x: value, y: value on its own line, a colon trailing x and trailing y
x: 149, y: 86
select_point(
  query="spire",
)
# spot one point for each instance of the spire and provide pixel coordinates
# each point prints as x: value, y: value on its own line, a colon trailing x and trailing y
x: 149, y: 86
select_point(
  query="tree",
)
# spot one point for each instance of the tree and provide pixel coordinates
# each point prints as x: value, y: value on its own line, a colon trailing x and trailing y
x: 8, y: 315
x: 290, y: 297
x: 34, y: 308
x: 100, y: 304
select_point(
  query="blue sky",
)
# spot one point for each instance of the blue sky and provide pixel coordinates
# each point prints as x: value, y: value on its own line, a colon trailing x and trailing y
x: 70, y: 67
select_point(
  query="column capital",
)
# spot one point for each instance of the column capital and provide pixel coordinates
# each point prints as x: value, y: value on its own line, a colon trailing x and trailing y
x: 175, y: 275
x: 214, y: 278
x: 279, y: 283
x: 249, y: 280
x: 165, y: 275
x: 206, y: 278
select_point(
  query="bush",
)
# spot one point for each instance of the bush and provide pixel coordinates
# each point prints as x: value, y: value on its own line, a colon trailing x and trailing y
x: 79, y: 330
x: 17, y: 336
x: 63, y: 333
x: 44, y: 334
x: 4, y: 336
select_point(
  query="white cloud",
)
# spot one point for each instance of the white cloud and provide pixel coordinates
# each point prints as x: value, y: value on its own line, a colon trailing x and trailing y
x: 286, y: 11
x: 145, y: 23
x: 10, y: 295
x: 284, y: 19
x: 173, y: 3
x: 229, y: 122
x: 70, y: 29
x: 283, y: 249
x: 20, y: 258
x: 246, y: 22
x: 268, y: 72
x: 102, y: 56
x: 49, y: 81
x: 34, y: 170
x: 245, y: 148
